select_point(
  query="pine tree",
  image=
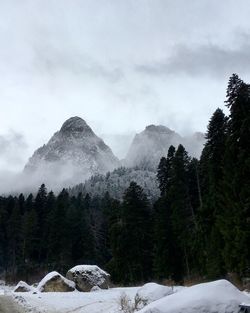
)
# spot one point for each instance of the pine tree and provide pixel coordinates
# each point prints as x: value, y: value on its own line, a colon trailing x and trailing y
x: 182, y: 218
x: 15, y: 241
x: 40, y: 207
x: 235, y: 223
x: 132, y: 243
x: 163, y: 171
x: 3, y: 235
x: 164, y: 259
x: 163, y: 234
x: 30, y: 237
x: 59, y: 255
x: 211, y: 175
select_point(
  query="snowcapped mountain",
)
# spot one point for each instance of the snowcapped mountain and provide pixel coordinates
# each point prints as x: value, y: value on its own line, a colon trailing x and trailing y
x: 152, y: 143
x: 73, y: 154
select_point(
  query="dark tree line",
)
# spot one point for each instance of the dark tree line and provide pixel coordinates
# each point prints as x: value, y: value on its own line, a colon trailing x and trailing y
x: 200, y: 225
x: 203, y: 215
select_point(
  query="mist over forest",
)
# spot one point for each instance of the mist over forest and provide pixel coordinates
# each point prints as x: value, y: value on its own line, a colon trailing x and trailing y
x: 124, y: 156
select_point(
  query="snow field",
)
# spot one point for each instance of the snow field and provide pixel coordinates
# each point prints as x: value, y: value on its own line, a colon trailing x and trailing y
x: 214, y: 297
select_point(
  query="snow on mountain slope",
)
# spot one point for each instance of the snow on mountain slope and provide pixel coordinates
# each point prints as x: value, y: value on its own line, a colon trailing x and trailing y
x: 73, y: 154
x: 117, y: 181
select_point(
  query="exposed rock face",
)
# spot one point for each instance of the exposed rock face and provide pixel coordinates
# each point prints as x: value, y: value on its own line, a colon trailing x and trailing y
x: 23, y: 287
x: 73, y: 154
x: 88, y: 276
x: 55, y: 282
x: 150, y: 145
x: 153, y: 143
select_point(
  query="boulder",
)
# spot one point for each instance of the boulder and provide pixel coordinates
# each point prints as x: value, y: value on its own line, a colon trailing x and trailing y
x: 23, y: 287
x: 88, y: 276
x: 55, y: 282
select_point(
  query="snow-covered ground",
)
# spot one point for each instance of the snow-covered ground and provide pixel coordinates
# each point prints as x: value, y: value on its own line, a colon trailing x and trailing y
x: 104, y: 301
x: 219, y: 296
x: 215, y: 297
x: 5, y: 289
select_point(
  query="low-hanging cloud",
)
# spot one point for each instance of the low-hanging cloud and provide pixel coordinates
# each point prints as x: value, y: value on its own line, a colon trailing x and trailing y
x: 12, y: 149
x: 121, y: 65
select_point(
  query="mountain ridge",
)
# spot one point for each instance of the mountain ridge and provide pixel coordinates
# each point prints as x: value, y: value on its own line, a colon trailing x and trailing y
x: 75, y: 153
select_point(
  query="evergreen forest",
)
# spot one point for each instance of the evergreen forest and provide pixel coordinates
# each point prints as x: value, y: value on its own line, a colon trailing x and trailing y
x: 198, y: 227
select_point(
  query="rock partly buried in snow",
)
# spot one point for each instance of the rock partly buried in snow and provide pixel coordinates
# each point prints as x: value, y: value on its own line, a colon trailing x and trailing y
x: 95, y: 288
x: 88, y: 276
x: 151, y: 292
x: 23, y: 287
x: 55, y: 282
x: 218, y: 296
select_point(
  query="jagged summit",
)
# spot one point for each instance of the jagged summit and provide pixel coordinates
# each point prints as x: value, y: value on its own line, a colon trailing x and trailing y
x: 76, y: 125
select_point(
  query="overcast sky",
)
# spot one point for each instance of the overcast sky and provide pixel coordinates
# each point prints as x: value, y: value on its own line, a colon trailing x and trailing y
x: 119, y: 64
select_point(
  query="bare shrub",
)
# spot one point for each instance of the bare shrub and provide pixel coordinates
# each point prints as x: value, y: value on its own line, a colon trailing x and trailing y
x: 130, y: 306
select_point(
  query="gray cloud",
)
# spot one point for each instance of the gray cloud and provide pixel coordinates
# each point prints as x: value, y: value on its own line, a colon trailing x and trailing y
x: 57, y: 60
x: 209, y: 60
x: 120, y: 65
x: 12, y: 150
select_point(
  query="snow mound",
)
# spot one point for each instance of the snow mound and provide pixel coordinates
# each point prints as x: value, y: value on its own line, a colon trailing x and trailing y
x: 151, y: 292
x: 88, y: 276
x: 22, y: 286
x: 54, y: 282
x: 218, y: 296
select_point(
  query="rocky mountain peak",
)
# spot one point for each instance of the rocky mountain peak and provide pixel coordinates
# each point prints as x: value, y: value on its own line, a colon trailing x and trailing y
x: 158, y: 129
x: 76, y: 125
x: 73, y: 154
x: 153, y: 143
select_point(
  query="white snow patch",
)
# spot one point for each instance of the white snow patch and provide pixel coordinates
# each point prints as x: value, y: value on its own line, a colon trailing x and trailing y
x: 5, y: 289
x: 103, y: 301
x: 24, y: 285
x: 218, y: 296
x: 88, y: 268
x: 151, y: 292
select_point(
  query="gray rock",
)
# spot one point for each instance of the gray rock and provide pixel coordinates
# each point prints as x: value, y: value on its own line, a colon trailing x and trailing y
x: 55, y: 282
x: 88, y: 276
